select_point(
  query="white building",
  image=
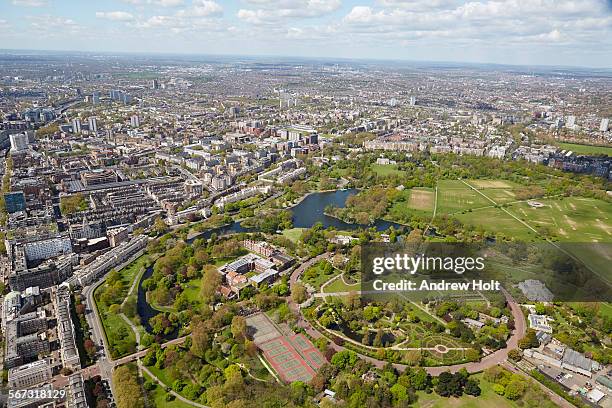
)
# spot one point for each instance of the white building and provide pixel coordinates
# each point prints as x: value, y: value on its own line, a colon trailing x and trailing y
x: 93, y: 124
x: 27, y: 375
x: 605, y: 125
x: 48, y: 248
x: 19, y: 142
x: 76, y: 125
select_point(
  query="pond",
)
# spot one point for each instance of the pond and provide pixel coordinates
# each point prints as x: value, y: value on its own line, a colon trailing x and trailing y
x: 307, y: 213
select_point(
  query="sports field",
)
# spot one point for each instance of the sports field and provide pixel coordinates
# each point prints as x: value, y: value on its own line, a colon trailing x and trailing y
x: 574, y: 219
x: 477, y: 203
x: 586, y: 149
x: 294, y: 357
x: 454, y: 196
x: 421, y: 199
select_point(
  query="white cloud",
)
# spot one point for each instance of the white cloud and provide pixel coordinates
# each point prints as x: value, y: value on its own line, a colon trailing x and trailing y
x: 272, y: 12
x: 169, y: 3
x: 115, y: 15
x: 162, y: 3
x: 202, y: 8
x: 30, y: 3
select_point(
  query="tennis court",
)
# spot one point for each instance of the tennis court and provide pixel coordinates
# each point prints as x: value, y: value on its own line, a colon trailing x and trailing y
x: 293, y: 357
x: 261, y: 329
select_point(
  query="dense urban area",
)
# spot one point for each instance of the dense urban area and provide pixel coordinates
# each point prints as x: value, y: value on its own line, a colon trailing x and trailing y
x: 187, y: 231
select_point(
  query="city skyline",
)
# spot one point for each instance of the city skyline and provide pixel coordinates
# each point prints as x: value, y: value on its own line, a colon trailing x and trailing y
x: 512, y: 32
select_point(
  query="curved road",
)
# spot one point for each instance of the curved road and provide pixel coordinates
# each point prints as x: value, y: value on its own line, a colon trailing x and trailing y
x: 493, y: 359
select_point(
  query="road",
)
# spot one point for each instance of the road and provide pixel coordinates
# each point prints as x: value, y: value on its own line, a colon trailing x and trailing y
x: 493, y: 359
x: 93, y: 319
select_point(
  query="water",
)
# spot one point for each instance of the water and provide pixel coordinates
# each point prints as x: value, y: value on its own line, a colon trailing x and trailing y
x: 306, y: 214
x: 311, y: 211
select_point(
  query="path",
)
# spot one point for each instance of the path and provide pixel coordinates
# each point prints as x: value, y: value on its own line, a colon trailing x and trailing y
x: 433, y: 216
x: 493, y: 359
x: 171, y: 391
x: 606, y: 279
x: 500, y: 207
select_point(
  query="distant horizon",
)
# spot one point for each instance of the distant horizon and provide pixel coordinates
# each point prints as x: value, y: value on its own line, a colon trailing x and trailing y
x: 33, y: 51
x: 558, y: 33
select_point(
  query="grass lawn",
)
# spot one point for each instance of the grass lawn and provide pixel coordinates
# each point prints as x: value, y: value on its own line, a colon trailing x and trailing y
x: 492, y: 184
x: 157, y: 397
x: 387, y: 170
x: 574, y: 219
x: 488, y: 398
x: 316, y: 276
x: 116, y: 326
x: 339, y: 286
x: 417, y: 201
x: 192, y: 290
x: 496, y: 220
x: 119, y: 335
x: 454, y: 196
x: 605, y: 309
x: 293, y: 234
x: 161, y: 374
x: 585, y: 149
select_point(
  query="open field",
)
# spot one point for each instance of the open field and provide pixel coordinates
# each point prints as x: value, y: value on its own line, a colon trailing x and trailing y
x: 293, y: 234
x: 585, y: 149
x: 454, y: 196
x: 495, y: 220
x: 574, y: 219
x: 386, y: 169
x: 571, y: 219
x: 491, y: 183
x: 421, y: 199
x: 488, y: 398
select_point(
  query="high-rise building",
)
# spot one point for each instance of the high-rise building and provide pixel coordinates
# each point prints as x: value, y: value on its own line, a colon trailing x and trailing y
x: 76, y: 125
x: 135, y: 121
x: 155, y: 84
x: 115, y: 94
x: 19, y: 142
x: 93, y: 124
x: 571, y: 121
x: 95, y: 98
x: 605, y: 125
x: 412, y: 100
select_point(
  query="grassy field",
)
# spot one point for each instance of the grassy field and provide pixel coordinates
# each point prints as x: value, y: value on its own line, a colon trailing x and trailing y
x: 503, y: 222
x: 119, y: 334
x: 570, y: 218
x: 339, y: 286
x: 488, y: 398
x: 293, y: 234
x: 419, y: 201
x: 386, y: 170
x: 157, y: 397
x: 454, y: 197
x: 315, y: 276
x: 586, y: 149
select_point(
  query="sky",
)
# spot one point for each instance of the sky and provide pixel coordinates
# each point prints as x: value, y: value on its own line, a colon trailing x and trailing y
x: 521, y: 32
